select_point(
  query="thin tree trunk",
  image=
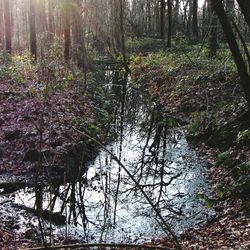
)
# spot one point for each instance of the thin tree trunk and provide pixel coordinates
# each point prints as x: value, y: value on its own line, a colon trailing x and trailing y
x: 162, y: 24
x: 66, y: 29
x: 212, y: 40
x: 195, y: 21
x: 7, y: 26
x: 51, y: 29
x: 169, y: 23
x: 1, y: 26
x: 32, y: 22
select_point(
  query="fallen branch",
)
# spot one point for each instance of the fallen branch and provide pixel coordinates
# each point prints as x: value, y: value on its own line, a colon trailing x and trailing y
x: 111, y: 245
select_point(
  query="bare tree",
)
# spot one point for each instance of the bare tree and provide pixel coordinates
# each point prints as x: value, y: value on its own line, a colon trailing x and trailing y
x: 32, y: 22
x: 7, y: 26
x: 169, y: 23
x: 195, y: 20
x: 163, y: 16
x: 1, y: 26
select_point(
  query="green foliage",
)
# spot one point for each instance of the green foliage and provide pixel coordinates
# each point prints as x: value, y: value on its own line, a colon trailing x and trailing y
x: 223, y: 158
x: 198, y: 122
x: 206, y: 200
x: 244, y: 136
x: 143, y: 45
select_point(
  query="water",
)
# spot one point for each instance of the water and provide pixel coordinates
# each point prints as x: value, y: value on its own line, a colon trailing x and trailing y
x: 105, y: 205
x: 135, y: 219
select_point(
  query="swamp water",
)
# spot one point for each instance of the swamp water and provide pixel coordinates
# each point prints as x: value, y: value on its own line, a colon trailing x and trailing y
x: 105, y: 205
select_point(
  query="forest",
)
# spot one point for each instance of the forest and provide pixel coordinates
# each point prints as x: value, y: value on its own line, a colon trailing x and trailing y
x: 124, y: 124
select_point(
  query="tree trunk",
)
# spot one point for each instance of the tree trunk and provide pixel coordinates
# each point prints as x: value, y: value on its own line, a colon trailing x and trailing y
x: 32, y: 22
x: 78, y: 34
x: 7, y: 25
x: 149, y: 18
x: 195, y: 21
x: 124, y: 53
x: 162, y: 16
x: 245, y: 8
x: 239, y: 61
x: 212, y: 40
x: 51, y: 29
x: 176, y: 16
x: 66, y: 28
x: 1, y: 26
x: 169, y: 23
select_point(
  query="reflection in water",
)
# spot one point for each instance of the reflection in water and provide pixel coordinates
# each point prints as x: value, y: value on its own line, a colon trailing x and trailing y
x: 105, y: 204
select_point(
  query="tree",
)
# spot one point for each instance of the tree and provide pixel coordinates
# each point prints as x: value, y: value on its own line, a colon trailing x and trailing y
x: 1, y: 26
x: 66, y: 28
x: 169, y: 23
x: 32, y: 22
x: 162, y: 18
x: 7, y: 26
x: 51, y: 28
x: 245, y: 8
x: 212, y: 39
x: 238, y: 58
x: 78, y: 35
x: 195, y: 20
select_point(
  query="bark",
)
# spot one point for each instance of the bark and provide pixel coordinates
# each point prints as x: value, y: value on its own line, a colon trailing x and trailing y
x: 124, y: 53
x: 149, y: 17
x: 1, y: 27
x: 212, y: 40
x: 32, y: 22
x: 7, y: 26
x: 66, y: 29
x: 230, y: 36
x: 195, y: 20
x: 176, y: 16
x: 162, y: 16
x: 245, y: 8
x: 78, y: 34
x: 230, y: 7
x: 169, y: 23
x: 51, y: 28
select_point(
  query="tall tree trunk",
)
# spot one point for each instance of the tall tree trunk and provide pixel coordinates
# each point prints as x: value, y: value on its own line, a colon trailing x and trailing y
x: 7, y: 25
x: 162, y: 16
x: 212, y: 40
x: 1, y: 26
x: 124, y: 53
x: 204, y: 19
x: 245, y: 8
x: 66, y: 29
x: 169, y: 23
x: 149, y: 17
x: 195, y: 21
x: 32, y: 22
x: 51, y: 29
x: 239, y: 61
x: 176, y: 16
x: 230, y: 7
x: 78, y: 34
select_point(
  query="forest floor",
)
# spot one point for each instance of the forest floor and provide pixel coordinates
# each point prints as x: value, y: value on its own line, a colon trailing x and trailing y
x: 37, y: 118
x: 40, y: 115
x: 211, y: 103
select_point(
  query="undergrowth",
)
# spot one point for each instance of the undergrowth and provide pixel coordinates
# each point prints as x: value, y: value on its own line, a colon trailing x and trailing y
x: 206, y: 94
